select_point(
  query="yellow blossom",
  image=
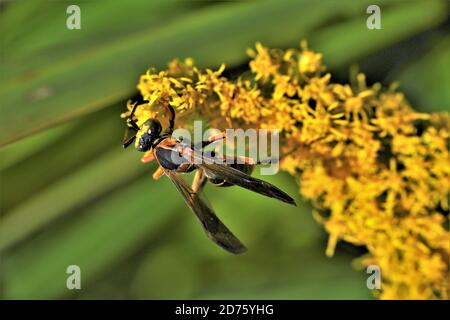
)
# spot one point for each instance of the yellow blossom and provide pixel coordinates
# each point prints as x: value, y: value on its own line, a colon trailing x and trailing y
x: 376, y: 171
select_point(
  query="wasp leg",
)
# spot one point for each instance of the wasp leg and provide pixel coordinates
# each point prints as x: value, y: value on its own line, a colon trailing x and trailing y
x: 218, y: 136
x: 253, y: 162
x: 212, y: 139
x: 199, y: 181
x: 247, y: 160
x: 158, y: 173
x: 241, y: 163
x: 148, y: 157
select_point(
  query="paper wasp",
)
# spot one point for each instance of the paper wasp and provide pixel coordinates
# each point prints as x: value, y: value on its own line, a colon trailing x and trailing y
x: 175, y: 156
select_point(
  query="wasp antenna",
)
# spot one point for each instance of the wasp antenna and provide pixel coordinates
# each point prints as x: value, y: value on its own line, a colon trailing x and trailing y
x: 133, y: 124
x: 127, y: 143
x: 134, y: 109
x: 171, y: 118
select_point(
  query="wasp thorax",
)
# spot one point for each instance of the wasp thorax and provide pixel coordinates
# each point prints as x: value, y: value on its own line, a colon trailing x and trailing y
x: 148, y: 133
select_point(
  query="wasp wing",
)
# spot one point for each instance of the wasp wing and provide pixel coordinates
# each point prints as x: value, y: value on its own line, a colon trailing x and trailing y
x: 231, y: 175
x: 214, y: 228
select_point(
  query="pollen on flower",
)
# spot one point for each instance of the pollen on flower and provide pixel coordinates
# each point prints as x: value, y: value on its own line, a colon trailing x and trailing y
x: 376, y: 171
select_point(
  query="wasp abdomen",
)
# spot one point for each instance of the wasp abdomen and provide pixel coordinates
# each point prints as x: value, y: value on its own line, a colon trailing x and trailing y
x: 171, y: 159
x: 218, y: 182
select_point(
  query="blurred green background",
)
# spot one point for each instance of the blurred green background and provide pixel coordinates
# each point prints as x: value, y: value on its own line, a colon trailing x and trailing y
x: 71, y: 195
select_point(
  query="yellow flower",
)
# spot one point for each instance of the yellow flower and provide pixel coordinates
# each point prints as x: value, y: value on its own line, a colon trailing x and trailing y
x: 310, y: 62
x: 376, y: 171
x: 263, y: 65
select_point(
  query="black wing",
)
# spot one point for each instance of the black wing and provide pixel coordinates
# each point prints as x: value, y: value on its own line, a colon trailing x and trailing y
x: 236, y: 177
x: 214, y: 228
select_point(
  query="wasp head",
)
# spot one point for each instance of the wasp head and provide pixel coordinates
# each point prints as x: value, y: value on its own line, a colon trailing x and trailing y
x: 147, y: 134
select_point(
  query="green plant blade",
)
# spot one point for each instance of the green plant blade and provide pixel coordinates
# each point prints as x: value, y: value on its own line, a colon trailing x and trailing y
x: 103, y: 74
x: 105, y: 233
x: 350, y: 41
x: 91, y: 182
x: 427, y: 80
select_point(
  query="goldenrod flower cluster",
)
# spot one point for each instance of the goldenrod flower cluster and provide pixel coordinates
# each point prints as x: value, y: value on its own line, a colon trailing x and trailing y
x: 376, y: 171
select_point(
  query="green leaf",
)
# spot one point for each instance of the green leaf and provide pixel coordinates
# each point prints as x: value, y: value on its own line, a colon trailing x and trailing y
x: 24, y: 149
x: 84, y: 141
x: 23, y: 38
x: 103, y: 235
x: 351, y: 41
x: 308, y: 274
x: 92, y: 77
x: 427, y: 80
x: 29, y: 38
x: 92, y: 181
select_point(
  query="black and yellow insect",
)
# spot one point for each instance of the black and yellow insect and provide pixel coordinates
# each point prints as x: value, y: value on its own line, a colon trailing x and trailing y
x: 175, y: 157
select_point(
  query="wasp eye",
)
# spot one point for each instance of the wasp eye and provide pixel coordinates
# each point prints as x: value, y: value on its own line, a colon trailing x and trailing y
x: 153, y: 126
